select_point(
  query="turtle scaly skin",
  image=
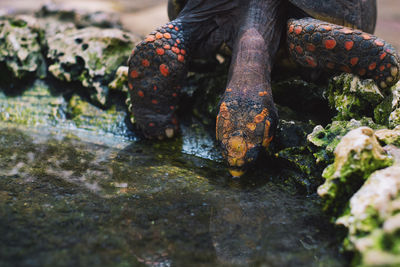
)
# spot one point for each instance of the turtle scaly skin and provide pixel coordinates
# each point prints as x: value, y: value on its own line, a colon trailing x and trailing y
x: 247, y: 116
x: 156, y: 67
x: 317, y: 44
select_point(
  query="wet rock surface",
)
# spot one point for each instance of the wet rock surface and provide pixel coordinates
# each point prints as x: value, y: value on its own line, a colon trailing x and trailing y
x: 69, y: 200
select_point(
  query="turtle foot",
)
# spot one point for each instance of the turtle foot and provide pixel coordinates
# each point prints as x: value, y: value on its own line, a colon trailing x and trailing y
x: 317, y: 44
x: 156, y: 68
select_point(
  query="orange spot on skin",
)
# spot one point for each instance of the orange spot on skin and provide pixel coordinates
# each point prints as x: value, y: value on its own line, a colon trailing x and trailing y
x: 150, y: 38
x: 145, y: 63
x: 167, y: 47
x: 229, y: 90
x: 176, y: 45
x: 291, y: 28
x: 170, y: 26
x: 311, y: 62
x: 174, y: 95
x: 167, y: 35
x: 178, y: 41
x: 291, y: 46
x: 174, y: 121
x: 311, y: 47
x: 260, y: 117
x: 299, y: 49
x: 379, y: 43
x: 362, y: 72
x: 298, y: 30
x: 133, y: 52
x: 382, y: 68
x: 181, y: 58
x: 267, y: 139
x: 176, y: 29
x: 151, y: 124
x: 140, y: 93
x: 171, y: 107
x: 346, y: 30
x: 159, y: 35
x: 330, y: 65
x: 160, y: 51
x: 330, y: 44
x: 183, y: 51
x: 372, y: 66
x: 366, y: 36
x: 383, y: 55
x: 327, y: 28
x: 263, y: 93
x: 345, y: 69
x: 130, y: 86
x: 134, y: 74
x: 164, y: 70
x: 251, y: 126
x: 154, y: 101
x: 175, y: 50
x: 155, y: 88
x: 354, y: 61
x: 348, y: 45
x: 388, y: 65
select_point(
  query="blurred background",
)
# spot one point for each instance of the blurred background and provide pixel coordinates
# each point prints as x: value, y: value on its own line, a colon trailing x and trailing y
x: 142, y: 16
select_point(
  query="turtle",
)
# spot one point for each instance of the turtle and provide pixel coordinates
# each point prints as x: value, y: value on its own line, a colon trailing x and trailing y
x: 327, y: 35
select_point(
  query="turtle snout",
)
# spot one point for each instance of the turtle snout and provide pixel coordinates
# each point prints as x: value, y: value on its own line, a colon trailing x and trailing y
x: 239, y: 153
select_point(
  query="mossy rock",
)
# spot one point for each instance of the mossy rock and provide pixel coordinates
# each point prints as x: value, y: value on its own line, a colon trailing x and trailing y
x: 21, y: 56
x: 353, y: 98
x: 356, y: 156
x: 90, y: 56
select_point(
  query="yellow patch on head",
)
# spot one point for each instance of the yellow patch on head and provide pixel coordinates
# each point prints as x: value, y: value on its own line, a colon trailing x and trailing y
x: 237, y: 147
x: 236, y: 173
x: 251, y: 126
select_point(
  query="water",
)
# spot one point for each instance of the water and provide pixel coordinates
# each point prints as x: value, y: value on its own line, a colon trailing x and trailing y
x: 77, y: 199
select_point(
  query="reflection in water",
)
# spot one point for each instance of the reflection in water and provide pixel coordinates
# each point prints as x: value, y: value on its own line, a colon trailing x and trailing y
x: 64, y: 202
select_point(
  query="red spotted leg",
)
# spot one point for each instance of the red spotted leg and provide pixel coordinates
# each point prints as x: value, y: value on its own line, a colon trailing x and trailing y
x: 156, y: 68
x: 317, y: 44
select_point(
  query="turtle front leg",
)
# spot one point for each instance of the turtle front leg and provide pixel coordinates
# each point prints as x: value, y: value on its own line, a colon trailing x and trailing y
x: 317, y: 44
x: 156, y: 68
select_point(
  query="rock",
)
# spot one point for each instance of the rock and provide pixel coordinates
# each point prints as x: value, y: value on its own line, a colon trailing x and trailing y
x: 388, y: 111
x: 20, y: 53
x: 80, y: 18
x: 323, y: 141
x: 353, y: 98
x: 35, y: 107
x: 356, y: 156
x: 389, y: 137
x: 121, y: 80
x: 89, y: 117
x: 90, y: 56
x: 373, y: 219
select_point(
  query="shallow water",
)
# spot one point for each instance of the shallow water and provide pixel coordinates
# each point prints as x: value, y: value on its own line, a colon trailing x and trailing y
x: 74, y: 199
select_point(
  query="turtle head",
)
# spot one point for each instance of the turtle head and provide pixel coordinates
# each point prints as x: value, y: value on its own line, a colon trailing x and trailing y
x: 243, y: 130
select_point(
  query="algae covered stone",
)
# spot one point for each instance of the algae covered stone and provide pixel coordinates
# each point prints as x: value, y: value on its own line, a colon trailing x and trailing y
x: 356, y: 156
x: 20, y: 52
x: 387, y: 112
x: 352, y: 97
x: 373, y: 219
x: 323, y: 141
x: 90, y: 56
